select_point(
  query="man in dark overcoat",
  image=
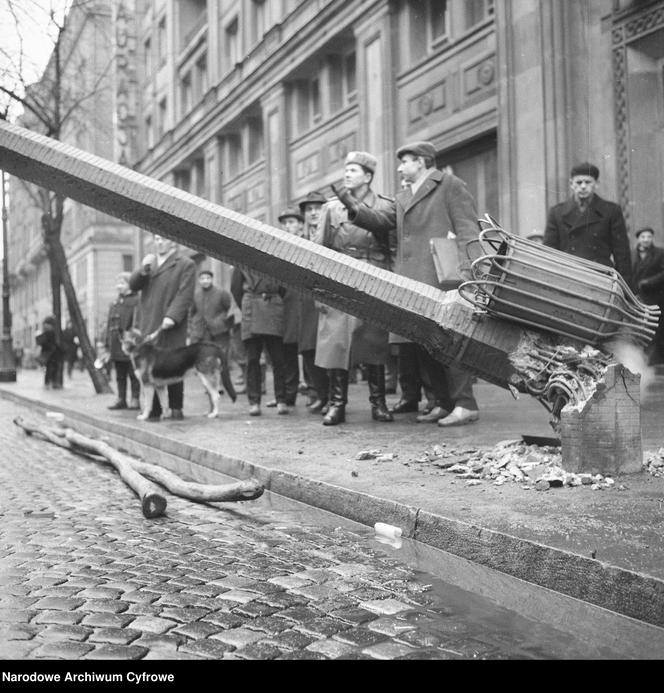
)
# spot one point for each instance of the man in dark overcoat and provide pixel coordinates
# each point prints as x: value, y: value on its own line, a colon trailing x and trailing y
x: 588, y: 226
x: 210, y: 318
x: 648, y: 278
x: 435, y: 204
x: 167, y: 282
x: 261, y: 301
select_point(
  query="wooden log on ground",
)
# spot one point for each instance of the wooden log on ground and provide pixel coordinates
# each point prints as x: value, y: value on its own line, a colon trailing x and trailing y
x: 205, y: 493
x: 249, y: 489
x: 153, y: 503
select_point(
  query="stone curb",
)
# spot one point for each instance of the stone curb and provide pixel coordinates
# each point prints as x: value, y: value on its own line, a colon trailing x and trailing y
x: 625, y: 592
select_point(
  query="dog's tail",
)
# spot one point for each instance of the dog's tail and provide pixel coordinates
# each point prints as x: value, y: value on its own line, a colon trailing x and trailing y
x: 228, y: 384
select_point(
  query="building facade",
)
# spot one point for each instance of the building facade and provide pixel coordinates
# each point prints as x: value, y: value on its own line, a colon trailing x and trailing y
x: 254, y: 103
x: 96, y: 108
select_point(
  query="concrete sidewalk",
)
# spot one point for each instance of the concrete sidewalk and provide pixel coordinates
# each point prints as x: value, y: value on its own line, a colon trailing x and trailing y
x: 604, y: 547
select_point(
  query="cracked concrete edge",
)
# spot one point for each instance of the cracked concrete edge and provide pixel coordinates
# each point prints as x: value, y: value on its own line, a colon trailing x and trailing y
x: 616, y: 589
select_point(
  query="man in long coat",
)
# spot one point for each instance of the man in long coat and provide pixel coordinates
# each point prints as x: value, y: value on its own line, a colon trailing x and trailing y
x: 339, y: 334
x: 166, y: 281
x: 436, y: 204
x: 588, y: 226
x: 648, y: 277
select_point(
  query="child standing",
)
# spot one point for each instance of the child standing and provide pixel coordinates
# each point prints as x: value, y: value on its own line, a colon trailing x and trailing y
x: 120, y: 319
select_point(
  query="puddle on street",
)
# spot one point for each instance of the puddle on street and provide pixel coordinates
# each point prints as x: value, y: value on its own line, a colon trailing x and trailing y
x: 477, y: 612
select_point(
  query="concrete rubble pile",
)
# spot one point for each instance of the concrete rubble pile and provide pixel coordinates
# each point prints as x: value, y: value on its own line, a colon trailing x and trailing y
x: 654, y: 462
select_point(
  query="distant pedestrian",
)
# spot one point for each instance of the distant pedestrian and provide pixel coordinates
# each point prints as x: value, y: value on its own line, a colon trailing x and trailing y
x: 121, y: 316
x: 51, y: 355
x: 648, y: 276
x: 166, y: 282
x: 588, y: 226
x: 69, y: 347
x: 211, y: 319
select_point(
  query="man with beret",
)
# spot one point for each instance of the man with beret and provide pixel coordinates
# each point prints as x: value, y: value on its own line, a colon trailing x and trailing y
x: 314, y: 376
x: 648, y: 277
x: 588, y: 226
x: 339, y: 334
x: 435, y: 204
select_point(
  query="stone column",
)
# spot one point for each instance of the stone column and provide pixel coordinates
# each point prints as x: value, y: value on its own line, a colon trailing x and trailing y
x: 375, y: 70
x: 275, y: 135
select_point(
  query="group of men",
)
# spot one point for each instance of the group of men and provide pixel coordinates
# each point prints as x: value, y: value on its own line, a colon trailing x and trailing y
x: 395, y: 234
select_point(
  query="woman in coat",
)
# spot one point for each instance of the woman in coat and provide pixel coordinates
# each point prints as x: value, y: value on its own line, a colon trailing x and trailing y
x: 121, y: 319
x: 339, y: 334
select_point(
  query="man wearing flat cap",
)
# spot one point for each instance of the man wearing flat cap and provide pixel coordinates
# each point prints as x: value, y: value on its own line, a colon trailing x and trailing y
x: 343, y: 339
x: 648, y: 277
x: 314, y: 376
x: 435, y: 204
x: 588, y: 226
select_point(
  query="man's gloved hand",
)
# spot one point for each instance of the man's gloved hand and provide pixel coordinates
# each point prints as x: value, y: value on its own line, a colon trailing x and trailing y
x: 167, y: 323
x: 347, y: 199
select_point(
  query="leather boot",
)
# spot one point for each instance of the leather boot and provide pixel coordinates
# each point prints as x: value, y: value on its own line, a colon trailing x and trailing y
x: 376, y: 380
x: 338, y: 397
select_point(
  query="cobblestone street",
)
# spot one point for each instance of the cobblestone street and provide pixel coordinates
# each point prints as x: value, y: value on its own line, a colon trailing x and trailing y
x: 83, y: 575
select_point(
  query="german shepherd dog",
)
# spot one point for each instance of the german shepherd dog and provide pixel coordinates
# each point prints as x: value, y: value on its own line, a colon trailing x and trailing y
x: 156, y: 368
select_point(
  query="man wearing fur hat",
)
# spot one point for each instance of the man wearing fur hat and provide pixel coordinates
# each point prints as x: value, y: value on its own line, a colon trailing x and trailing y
x: 340, y: 334
x: 588, y: 226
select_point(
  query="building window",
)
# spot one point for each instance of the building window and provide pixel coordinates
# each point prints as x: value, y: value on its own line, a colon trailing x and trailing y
x: 162, y: 43
x: 127, y: 263
x: 147, y: 58
x: 350, y: 79
x: 201, y: 76
x: 438, y: 18
x: 428, y: 23
x: 234, y: 154
x: 149, y: 132
x: 186, y: 93
x: 182, y: 179
x: 200, y: 187
x: 477, y: 11
x: 314, y: 97
x: 161, y: 124
x: 255, y: 136
x: 231, y: 45
x: 258, y: 20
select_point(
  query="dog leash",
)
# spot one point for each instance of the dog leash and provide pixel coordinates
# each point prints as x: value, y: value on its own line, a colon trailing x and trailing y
x: 153, y: 335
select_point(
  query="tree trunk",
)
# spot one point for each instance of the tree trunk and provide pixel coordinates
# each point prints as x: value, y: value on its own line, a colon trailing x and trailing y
x: 59, y: 261
x: 56, y: 305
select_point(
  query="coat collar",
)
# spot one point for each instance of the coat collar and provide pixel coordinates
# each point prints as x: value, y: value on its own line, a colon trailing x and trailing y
x: 168, y: 262
x: 430, y: 184
x: 571, y: 216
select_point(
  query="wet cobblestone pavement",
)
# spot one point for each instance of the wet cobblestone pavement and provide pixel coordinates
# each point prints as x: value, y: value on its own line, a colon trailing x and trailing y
x: 83, y: 575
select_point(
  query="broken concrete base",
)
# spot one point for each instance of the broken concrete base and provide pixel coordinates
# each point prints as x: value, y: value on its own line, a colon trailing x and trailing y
x: 603, y: 434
